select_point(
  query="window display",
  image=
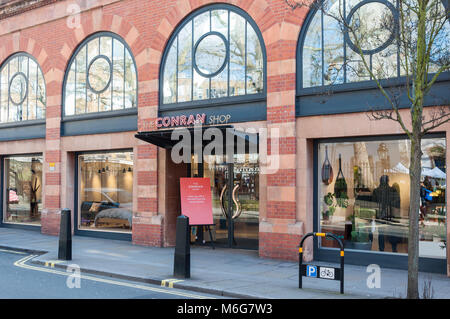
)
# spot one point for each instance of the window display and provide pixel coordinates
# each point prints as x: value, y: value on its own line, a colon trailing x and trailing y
x: 106, y: 191
x: 367, y: 203
x: 23, y: 189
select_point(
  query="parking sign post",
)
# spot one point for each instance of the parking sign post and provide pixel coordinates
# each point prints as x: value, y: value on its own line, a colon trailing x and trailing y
x: 320, y: 272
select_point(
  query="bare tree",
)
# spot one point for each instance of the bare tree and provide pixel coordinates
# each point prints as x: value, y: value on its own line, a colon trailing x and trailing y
x: 420, y: 31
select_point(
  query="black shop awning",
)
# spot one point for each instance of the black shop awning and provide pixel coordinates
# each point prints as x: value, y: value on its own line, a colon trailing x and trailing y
x: 166, y: 139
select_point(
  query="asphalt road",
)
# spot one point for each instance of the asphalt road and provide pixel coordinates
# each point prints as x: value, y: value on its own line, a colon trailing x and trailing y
x: 20, y: 278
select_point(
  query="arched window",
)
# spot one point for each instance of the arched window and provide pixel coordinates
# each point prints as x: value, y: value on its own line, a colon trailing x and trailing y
x: 216, y: 54
x: 329, y: 56
x: 101, y: 77
x: 22, y: 89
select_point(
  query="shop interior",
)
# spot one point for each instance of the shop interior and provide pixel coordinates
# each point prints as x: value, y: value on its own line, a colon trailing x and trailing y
x: 363, y: 191
x: 106, y: 191
x: 23, y: 189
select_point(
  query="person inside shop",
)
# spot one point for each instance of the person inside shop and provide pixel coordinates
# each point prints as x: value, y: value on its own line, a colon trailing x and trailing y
x: 426, y: 189
x: 388, y: 200
x: 427, y: 183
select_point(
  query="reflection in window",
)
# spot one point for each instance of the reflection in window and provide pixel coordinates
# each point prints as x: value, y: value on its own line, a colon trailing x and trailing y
x: 22, y: 90
x: 102, y: 77
x: 328, y: 57
x: 364, y: 195
x: 23, y: 189
x: 246, y: 194
x: 106, y: 191
x: 217, y: 53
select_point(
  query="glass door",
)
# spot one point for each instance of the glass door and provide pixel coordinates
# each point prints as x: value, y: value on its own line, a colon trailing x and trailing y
x: 245, y: 197
x: 235, y: 196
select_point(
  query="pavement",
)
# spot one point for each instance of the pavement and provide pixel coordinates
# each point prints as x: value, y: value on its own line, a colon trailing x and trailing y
x: 224, y: 272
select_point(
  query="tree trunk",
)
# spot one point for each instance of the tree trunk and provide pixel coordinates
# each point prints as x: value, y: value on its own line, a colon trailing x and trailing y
x: 413, y: 238
x: 419, y: 84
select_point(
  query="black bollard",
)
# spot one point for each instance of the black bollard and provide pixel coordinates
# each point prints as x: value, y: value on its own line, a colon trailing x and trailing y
x: 182, y: 261
x: 65, y: 236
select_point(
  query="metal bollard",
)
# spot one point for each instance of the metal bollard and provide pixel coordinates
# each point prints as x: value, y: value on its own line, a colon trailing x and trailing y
x: 182, y: 260
x: 65, y: 236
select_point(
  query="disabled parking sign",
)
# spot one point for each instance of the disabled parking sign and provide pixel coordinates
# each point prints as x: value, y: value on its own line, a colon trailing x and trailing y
x: 311, y: 271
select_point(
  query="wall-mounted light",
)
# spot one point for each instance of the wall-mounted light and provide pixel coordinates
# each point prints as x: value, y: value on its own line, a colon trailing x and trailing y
x: 129, y: 169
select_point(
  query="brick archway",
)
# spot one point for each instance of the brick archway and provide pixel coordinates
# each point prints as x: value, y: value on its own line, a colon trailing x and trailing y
x: 18, y: 43
x: 95, y: 21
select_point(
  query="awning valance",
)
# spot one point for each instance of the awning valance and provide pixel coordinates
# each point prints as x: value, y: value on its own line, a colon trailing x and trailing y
x: 167, y: 138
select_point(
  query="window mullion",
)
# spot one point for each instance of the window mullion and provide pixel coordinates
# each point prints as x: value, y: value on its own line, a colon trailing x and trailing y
x: 229, y: 58
x: 17, y: 106
x: 28, y: 79
x: 37, y: 90
x: 323, y: 49
x: 98, y: 94
x: 9, y: 92
x: 124, y: 75
x: 192, y: 60
x: 112, y: 72
x: 345, y: 45
x: 85, y: 85
x: 245, y: 57
x: 75, y: 88
x: 210, y: 29
x: 398, y: 42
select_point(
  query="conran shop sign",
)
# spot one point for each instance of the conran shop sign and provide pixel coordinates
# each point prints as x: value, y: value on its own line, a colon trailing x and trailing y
x: 188, y: 120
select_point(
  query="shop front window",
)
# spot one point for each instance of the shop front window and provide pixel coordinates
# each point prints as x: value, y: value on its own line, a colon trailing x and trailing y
x: 23, y: 189
x: 363, y: 195
x: 106, y: 191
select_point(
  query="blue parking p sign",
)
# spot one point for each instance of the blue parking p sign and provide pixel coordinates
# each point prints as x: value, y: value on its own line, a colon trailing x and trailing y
x: 311, y: 271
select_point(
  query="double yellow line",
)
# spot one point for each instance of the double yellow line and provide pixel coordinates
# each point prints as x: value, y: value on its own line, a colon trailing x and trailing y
x: 12, y: 251
x: 22, y: 264
x: 169, y: 282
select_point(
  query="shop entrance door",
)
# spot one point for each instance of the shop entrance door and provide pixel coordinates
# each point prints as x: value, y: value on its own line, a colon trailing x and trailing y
x: 235, y: 196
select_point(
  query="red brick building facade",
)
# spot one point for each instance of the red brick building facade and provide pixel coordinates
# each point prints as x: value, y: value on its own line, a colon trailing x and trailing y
x: 51, y: 34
